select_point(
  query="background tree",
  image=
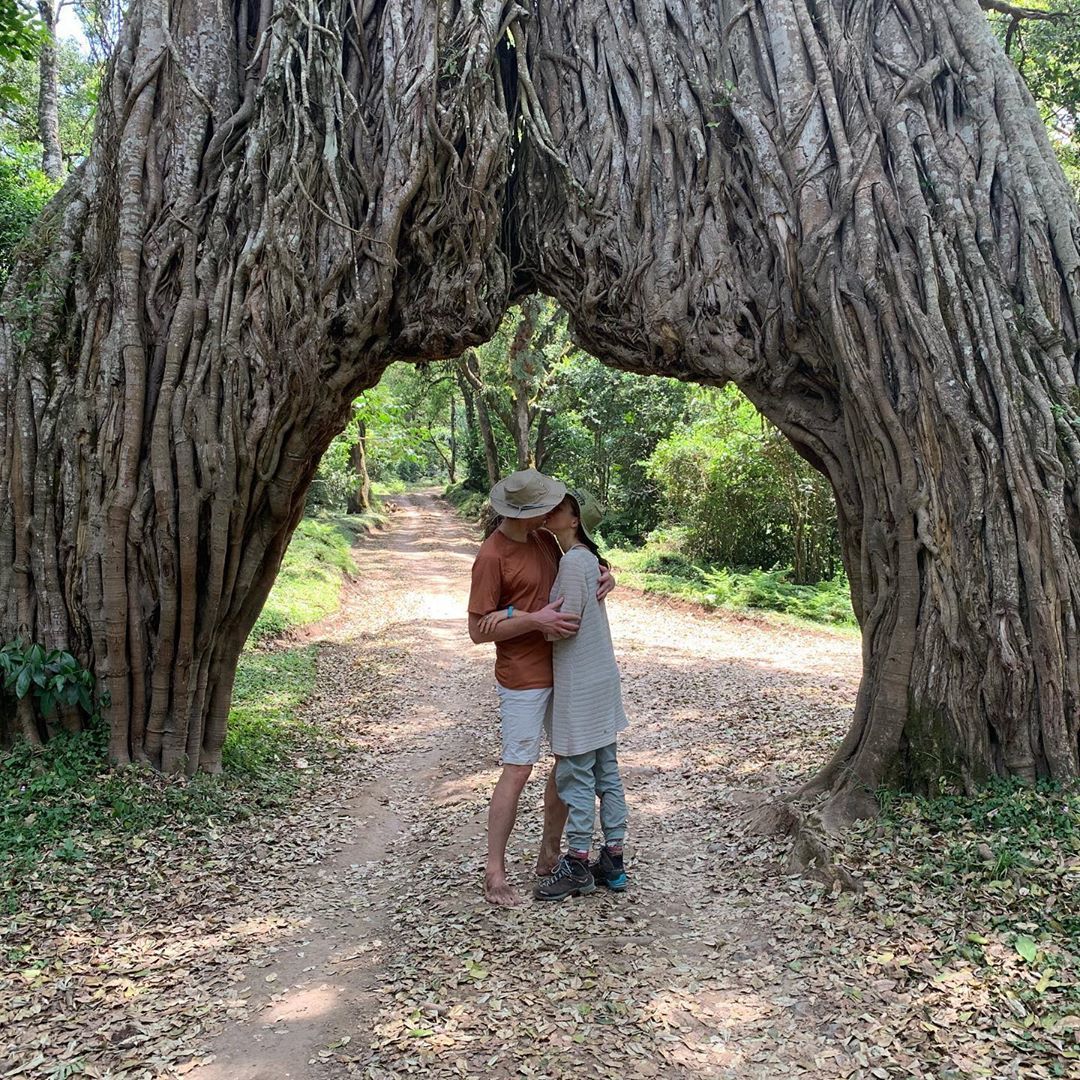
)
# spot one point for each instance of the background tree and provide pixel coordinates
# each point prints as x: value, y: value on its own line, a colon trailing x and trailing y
x: 511, y: 377
x: 1043, y: 40
x: 48, y: 100
x: 77, y: 85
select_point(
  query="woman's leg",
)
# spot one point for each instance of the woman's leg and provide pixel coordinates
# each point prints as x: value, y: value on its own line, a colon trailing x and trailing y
x: 577, y: 788
x: 609, y: 786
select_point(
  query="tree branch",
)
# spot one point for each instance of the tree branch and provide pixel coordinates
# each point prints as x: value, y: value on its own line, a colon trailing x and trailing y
x: 1014, y: 11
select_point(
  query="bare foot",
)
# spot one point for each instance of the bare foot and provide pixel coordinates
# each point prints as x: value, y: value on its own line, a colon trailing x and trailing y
x: 499, y: 893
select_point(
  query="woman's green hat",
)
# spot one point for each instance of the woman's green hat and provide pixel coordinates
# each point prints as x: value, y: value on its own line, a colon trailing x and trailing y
x: 589, y: 513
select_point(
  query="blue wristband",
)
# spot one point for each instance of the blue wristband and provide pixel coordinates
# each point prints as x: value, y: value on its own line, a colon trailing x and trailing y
x: 509, y: 611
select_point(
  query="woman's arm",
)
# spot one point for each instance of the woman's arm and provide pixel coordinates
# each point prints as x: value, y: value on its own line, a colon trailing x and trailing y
x: 572, y: 584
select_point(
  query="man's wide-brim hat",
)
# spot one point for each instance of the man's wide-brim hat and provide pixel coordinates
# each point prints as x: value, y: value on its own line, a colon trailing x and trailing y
x: 526, y: 494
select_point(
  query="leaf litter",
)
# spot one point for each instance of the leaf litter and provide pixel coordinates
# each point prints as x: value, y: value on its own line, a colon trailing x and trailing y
x: 714, y: 964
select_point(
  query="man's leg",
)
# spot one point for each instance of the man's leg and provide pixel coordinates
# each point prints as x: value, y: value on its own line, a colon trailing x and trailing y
x: 501, y: 817
x: 555, y: 811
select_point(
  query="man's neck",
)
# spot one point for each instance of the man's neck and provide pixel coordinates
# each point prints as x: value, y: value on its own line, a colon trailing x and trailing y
x: 513, y: 529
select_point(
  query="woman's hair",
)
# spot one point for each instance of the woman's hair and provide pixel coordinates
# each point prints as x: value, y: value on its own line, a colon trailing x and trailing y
x: 582, y: 538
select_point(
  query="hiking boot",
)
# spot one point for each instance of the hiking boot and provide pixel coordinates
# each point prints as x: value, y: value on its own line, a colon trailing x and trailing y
x: 608, y: 871
x: 571, y: 877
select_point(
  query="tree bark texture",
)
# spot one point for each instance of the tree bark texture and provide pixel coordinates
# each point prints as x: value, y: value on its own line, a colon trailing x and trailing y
x: 281, y: 199
x: 849, y: 208
x: 52, y: 157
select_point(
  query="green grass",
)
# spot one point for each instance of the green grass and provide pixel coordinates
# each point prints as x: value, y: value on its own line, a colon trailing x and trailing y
x: 396, y: 486
x: 659, y: 567
x: 308, y: 586
x: 64, y: 803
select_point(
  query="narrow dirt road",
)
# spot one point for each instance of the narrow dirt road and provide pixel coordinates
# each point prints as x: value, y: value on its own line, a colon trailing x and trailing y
x: 392, y: 965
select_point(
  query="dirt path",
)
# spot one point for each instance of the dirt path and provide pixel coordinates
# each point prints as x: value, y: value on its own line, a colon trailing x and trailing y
x: 397, y: 967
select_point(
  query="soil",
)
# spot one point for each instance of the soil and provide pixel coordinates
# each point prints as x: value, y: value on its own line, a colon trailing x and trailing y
x: 391, y: 963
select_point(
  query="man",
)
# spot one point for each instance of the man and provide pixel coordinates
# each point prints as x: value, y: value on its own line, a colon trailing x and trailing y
x: 515, y: 569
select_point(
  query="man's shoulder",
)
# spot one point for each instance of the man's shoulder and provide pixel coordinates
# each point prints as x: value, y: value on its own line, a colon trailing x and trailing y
x: 490, y: 548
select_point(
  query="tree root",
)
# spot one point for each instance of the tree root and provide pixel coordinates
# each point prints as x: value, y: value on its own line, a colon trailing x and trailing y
x: 813, y: 830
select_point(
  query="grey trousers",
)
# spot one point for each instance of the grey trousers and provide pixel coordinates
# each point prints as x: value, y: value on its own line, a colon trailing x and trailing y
x: 581, y: 779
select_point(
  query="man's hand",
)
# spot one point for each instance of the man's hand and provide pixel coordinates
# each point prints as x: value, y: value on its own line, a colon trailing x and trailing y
x: 554, y: 623
x: 606, y: 583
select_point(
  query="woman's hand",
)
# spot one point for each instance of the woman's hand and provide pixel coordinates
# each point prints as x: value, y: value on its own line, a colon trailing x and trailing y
x: 490, y: 621
x: 606, y: 582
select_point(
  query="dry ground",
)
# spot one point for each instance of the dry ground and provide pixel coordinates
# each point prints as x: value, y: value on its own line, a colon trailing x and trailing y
x: 348, y: 937
x: 404, y: 969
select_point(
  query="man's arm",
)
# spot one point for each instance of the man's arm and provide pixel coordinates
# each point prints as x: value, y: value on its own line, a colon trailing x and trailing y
x: 548, y: 620
x: 606, y: 582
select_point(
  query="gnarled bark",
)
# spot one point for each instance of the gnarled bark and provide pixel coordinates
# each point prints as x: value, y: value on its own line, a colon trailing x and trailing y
x: 852, y: 211
x: 281, y: 199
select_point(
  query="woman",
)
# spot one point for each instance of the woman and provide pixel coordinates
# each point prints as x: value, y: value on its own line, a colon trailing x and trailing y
x: 587, y: 712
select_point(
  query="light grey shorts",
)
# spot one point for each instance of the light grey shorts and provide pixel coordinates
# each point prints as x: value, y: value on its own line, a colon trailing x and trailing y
x: 526, y: 716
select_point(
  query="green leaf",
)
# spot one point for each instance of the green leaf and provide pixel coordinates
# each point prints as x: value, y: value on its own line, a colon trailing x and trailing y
x: 23, y: 681
x: 1026, y: 948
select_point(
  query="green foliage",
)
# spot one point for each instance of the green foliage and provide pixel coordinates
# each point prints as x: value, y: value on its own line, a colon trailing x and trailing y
x: 408, y: 435
x: 605, y: 426
x: 80, y: 81
x: 470, y: 504
x: 1047, y: 55
x: 308, y: 585
x: 52, y: 678
x: 63, y: 803
x: 746, y: 498
x: 20, y: 36
x: 1009, y: 853
x: 24, y: 191
x: 662, y: 566
x: 335, y: 479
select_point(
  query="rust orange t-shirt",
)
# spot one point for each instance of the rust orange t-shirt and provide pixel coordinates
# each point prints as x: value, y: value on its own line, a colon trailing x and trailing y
x: 520, y: 573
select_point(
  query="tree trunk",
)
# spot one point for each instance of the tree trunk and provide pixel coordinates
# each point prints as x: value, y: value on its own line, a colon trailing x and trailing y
x: 52, y: 158
x: 359, y: 501
x: 280, y: 200
x: 452, y: 468
x: 852, y: 210
x: 522, y: 380
x: 849, y: 208
x: 471, y: 371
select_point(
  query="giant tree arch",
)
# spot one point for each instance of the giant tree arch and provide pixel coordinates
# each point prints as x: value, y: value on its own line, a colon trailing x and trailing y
x: 849, y: 207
